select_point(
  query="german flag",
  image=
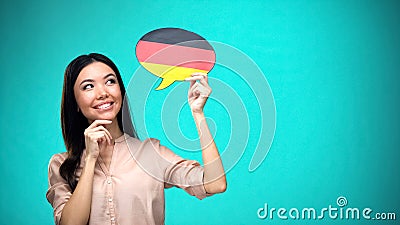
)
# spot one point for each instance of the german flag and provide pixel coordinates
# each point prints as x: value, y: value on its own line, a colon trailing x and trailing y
x: 174, y: 54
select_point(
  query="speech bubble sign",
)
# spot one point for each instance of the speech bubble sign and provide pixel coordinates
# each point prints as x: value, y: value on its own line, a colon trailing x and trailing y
x: 173, y: 54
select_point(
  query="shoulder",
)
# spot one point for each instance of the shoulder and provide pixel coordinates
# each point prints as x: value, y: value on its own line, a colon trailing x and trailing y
x: 151, y: 144
x: 54, y: 176
x: 150, y: 147
x: 57, y: 159
x: 151, y: 141
x: 162, y: 151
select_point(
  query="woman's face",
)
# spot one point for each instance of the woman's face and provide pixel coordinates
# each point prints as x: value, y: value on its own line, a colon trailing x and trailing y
x: 97, y: 92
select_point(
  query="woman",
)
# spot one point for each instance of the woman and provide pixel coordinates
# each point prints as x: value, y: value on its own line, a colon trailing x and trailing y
x: 109, y: 177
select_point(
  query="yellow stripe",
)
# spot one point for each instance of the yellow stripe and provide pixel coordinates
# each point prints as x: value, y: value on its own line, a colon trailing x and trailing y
x: 170, y: 72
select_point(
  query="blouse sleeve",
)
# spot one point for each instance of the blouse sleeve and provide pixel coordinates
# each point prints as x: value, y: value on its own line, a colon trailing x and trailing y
x: 182, y: 173
x: 59, y: 191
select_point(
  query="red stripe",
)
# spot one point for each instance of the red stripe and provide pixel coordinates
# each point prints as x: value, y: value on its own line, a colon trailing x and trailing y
x: 175, y: 55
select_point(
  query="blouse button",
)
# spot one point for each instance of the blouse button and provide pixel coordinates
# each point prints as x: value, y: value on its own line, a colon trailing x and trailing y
x: 109, y: 181
x: 110, y: 199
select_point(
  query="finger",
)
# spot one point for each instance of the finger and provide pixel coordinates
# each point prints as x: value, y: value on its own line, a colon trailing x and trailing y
x: 204, y: 75
x: 101, y: 128
x: 192, y: 82
x: 200, y: 74
x: 108, y: 134
x: 203, y: 91
x: 99, y: 122
x: 96, y: 136
x: 99, y: 136
x: 196, y: 92
x: 194, y: 78
x: 191, y: 79
x: 204, y: 81
x: 193, y: 87
x: 102, y: 141
x: 205, y: 88
x: 190, y: 92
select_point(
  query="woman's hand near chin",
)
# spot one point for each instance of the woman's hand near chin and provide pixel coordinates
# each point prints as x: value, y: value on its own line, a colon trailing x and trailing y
x: 96, y: 138
x: 77, y: 209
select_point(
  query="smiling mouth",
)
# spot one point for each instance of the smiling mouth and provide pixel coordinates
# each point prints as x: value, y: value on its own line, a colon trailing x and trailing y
x: 105, y: 105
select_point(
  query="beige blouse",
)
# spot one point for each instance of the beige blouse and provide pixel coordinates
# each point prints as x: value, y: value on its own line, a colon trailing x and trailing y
x: 132, y: 190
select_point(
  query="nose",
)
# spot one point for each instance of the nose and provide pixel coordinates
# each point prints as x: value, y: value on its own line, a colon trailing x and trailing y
x: 102, y: 93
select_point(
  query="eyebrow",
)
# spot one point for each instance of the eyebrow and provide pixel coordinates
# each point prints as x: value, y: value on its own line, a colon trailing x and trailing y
x: 105, y: 77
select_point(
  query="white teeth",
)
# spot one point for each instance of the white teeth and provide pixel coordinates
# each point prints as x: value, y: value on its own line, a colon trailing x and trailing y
x: 104, y: 106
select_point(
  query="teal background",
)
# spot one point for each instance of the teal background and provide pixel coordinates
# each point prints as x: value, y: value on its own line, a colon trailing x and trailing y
x: 333, y: 68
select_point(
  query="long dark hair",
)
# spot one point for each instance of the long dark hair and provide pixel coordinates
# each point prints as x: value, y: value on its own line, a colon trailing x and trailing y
x: 74, y: 123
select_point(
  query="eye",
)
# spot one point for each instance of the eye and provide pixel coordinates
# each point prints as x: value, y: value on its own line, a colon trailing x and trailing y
x: 88, y: 87
x: 111, y: 81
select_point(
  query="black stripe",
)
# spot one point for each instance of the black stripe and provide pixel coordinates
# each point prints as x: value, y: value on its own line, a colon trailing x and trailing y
x: 177, y: 36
